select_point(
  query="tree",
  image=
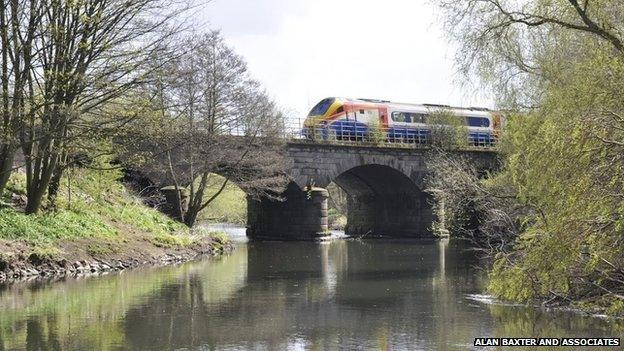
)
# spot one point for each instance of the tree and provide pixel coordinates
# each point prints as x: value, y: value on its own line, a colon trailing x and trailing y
x: 558, y: 66
x: 448, y: 131
x: 19, y: 22
x: 501, y: 40
x: 210, y: 117
x: 61, y: 61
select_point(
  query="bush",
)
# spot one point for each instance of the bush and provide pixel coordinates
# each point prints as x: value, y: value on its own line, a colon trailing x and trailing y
x: 447, y: 130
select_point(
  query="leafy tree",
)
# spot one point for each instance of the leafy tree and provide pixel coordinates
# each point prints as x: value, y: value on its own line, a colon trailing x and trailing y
x: 558, y: 66
x: 447, y: 130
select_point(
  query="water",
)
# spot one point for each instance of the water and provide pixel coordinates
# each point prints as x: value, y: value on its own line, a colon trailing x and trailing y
x: 340, y: 295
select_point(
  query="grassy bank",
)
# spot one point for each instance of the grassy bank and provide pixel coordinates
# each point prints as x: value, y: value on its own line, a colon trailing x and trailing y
x: 95, y: 216
x: 229, y: 207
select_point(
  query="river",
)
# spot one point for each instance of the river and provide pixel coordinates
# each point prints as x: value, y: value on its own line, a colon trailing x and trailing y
x: 337, y: 295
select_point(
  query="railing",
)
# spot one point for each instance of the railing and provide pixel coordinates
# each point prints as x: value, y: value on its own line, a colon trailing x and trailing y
x: 359, y: 133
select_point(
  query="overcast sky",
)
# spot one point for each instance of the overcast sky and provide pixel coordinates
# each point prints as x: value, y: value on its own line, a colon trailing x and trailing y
x: 305, y: 50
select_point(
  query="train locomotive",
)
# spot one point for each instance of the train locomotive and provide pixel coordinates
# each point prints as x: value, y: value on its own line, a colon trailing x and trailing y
x: 358, y: 119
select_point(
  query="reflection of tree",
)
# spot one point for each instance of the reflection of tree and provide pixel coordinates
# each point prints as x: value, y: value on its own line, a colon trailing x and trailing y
x: 88, y: 310
x: 36, y: 338
x: 522, y: 321
x: 377, y: 295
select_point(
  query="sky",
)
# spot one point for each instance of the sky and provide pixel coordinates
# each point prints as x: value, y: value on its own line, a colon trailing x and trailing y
x: 305, y: 50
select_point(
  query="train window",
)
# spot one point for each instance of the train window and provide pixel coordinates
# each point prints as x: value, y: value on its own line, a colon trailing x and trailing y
x: 419, y: 118
x: 408, y: 117
x: 398, y: 116
x: 322, y: 107
x: 361, y: 112
x: 478, y: 121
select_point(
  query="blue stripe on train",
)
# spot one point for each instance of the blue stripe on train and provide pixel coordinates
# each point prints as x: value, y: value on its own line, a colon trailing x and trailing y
x: 348, y: 128
x: 408, y: 134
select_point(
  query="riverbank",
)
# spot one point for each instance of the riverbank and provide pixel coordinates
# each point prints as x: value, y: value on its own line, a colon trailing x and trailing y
x: 96, y: 225
x: 81, y: 257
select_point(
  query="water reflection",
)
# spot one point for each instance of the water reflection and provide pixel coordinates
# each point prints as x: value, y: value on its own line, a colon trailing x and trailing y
x: 382, y: 294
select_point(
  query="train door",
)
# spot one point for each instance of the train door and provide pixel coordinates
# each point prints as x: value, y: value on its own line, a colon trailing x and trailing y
x: 383, y: 117
x: 367, y: 115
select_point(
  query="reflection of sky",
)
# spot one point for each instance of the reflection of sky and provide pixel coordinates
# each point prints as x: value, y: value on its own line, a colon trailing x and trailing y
x: 303, y: 50
x: 329, y: 269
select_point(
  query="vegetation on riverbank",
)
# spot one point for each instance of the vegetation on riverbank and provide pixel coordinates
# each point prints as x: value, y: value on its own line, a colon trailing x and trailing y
x: 552, y: 219
x: 229, y: 207
x: 95, y: 216
x: 172, y: 105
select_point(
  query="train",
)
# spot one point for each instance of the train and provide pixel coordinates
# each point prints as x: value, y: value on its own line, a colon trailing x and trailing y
x: 359, y: 119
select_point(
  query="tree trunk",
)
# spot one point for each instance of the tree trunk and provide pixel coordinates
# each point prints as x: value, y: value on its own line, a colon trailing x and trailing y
x: 55, y: 185
x: 191, y: 218
x: 39, y: 183
x: 55, y: 181
x: 197, y: 206
x: 7, y: 154
x: 35, y: 198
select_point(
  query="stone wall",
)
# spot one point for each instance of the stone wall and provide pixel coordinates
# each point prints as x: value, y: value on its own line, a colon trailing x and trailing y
x: 385, y: 186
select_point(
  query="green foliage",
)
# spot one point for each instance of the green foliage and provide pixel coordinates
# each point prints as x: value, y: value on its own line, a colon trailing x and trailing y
x: 50, y: 227
x: 91, y: 204
x: 561, y: 162
x: 229, y: 207
x: 447, y: 130
x: 99, y: 193
x: 563, y: 143
x: 376, y: 134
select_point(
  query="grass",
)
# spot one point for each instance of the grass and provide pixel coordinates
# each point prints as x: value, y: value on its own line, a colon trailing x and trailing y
x: 229, y: 207
x: 49, y: 227
x: 91, y: 204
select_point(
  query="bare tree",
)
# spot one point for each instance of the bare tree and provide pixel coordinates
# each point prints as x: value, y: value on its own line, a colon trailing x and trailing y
x: 61, y: 61
x: 481, y: 209
x: 19, y: 25
x: 218, y: 121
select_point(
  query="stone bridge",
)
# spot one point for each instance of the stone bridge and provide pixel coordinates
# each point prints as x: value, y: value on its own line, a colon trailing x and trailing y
x: 384, y: 185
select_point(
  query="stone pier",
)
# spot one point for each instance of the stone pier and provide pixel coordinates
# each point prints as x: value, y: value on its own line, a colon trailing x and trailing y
x: 302, y: 215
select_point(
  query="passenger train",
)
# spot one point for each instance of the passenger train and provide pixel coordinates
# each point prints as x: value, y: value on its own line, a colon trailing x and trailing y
x: 355, y: 119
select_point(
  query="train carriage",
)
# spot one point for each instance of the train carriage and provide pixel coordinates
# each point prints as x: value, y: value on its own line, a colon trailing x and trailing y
x: 362, y: 119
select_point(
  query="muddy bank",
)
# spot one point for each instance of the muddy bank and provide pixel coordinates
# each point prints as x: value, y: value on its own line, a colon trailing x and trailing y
x: 77, y: 258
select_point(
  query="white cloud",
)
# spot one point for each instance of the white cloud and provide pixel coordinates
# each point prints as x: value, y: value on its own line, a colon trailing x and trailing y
x: 303, y: 51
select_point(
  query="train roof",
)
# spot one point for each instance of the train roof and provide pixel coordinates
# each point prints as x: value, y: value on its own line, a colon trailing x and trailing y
x: 422, y: 106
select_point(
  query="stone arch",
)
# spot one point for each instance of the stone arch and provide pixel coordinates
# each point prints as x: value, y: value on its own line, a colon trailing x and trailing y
x: 321, y: 167
x: 384, y: 201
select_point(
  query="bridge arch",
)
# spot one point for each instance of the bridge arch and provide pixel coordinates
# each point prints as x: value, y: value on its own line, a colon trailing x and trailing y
x: 385, y: 187
x: 384, y: 201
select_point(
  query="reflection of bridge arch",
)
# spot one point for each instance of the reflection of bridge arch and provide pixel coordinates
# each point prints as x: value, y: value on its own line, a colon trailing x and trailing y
x: 389, y: 287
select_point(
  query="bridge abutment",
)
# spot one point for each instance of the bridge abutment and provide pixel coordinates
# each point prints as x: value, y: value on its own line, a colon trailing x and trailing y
x: 301, y: 216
